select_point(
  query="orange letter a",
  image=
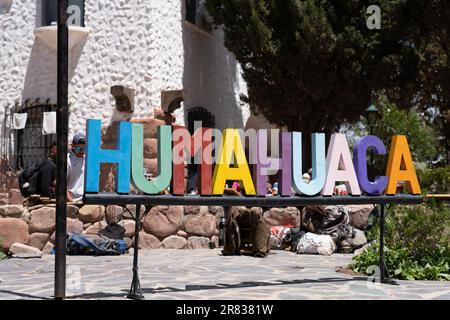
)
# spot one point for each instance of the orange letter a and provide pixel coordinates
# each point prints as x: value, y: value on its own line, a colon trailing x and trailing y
x: 401, y: 167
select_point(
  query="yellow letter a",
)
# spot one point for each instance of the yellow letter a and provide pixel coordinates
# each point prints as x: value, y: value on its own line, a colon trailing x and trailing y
x: 240, y: 172
x: 401, y: 167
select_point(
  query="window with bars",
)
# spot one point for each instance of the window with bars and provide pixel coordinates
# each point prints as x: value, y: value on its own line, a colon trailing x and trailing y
x: 31, y: 145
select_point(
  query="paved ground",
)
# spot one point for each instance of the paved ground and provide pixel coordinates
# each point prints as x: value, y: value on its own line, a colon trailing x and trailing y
x: 205, y: 274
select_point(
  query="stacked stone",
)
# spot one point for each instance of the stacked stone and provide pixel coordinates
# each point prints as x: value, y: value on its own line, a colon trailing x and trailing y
x: 109, y: 136
x: 283, y: 217
x: 14, y: 221
x: 178, y: 227
x: 150, y: 143
x: 4, y: 198
x: 34, y: 227
x: 32, y: 230
x: 25, y: 230
x: 12, y: 196
x: 150, y: 138
x: 107, y: 170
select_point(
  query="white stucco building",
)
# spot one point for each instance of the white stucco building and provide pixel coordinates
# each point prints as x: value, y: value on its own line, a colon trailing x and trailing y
x: 161, y: 49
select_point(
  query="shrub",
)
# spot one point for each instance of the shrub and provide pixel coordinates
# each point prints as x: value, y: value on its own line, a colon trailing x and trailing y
x: 402, y: 265
x: 435, y: 180
x: 417, y: 244
x: 2, y: 255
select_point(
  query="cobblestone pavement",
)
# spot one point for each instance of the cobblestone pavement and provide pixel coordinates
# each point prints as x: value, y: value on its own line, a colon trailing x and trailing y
x: 206, y: 274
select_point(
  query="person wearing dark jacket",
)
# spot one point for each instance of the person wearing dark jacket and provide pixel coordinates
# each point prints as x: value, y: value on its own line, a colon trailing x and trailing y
x: 46, y: 178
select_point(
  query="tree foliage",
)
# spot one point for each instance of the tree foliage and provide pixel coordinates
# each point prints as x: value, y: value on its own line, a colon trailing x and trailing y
x: 422, y: 138
x: 2, y: 255
x: 313, y: 64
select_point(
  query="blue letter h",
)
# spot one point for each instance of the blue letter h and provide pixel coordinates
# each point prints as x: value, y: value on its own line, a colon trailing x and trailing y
x: 95, y: 155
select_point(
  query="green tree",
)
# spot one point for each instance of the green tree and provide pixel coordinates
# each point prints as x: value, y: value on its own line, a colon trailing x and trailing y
x: 312, y: 64
x: 422, y: 138
x: 2, y: 255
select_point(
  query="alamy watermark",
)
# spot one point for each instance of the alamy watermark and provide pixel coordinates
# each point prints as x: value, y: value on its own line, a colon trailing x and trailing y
x: 73, y: 283
x: 373, y: 21
x: 74, y: 15
x: 373, y: 281
x: 187, y: 147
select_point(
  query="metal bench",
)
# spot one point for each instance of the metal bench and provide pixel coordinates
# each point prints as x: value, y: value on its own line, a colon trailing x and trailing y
x: 229, y: 201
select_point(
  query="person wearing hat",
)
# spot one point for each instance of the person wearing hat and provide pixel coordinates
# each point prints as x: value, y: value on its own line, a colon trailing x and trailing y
x: 75, y: 168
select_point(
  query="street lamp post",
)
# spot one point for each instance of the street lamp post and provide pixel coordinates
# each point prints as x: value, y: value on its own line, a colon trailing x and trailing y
x: 62, y: 125
x: 371, y: 115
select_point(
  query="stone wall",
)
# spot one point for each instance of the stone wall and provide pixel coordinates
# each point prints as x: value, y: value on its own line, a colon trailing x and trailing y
x: 163, y: 227
x: 11, y: 196
x: 168, y: 227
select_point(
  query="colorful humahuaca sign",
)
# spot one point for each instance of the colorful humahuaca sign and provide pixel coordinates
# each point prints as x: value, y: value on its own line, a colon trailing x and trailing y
x: 176, y: 146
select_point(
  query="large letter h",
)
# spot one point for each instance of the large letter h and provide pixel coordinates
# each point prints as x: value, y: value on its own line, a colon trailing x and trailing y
x: 95, y: 155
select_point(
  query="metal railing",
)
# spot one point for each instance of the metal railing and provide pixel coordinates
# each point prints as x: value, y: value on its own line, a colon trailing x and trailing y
x: 25, y: 147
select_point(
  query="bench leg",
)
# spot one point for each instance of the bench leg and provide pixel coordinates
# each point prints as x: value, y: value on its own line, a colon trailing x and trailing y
x: 226, y: 213
x: 135, y: 290
x: 384, y: 273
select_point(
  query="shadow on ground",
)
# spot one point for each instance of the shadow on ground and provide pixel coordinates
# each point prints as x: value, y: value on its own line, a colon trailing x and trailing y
x: 219, y: 286
x: 25, y: 295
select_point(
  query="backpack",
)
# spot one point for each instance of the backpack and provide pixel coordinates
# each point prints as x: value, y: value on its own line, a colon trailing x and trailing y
x: 313, y: 218
x: 335, y: 222
x: 247, y: 232
x: 28, y: 181
x: 346, y: 237
x: 78, y: 244
x: 113, y: 231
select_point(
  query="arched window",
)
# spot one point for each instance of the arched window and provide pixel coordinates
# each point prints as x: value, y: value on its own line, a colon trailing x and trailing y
x: 200, y: 114
x: 208, y: 121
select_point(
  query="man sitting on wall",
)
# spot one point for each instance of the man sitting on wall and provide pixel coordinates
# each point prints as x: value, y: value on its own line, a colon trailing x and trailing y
x: 75, y: 168
x: 46, y: 176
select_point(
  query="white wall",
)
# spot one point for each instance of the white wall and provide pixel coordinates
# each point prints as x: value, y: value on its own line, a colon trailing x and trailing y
x: 141, y: 44
x: 212, y: 78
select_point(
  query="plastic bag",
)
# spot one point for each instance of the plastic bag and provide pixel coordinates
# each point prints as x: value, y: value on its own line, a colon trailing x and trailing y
x: 316, y: 244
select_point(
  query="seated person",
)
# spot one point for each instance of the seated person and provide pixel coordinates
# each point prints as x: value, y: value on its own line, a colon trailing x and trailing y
x: 46, y: 177
x: 75, y: 168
